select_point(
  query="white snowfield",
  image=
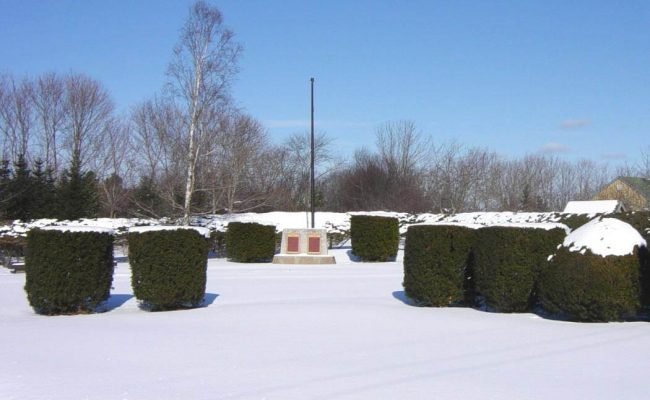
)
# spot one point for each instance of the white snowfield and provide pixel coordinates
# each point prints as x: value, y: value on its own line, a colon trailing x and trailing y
x: 605, y: 237
x: 296, y: 332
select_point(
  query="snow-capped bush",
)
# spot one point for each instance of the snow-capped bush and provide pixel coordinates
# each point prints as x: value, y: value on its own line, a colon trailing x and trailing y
x: 168, y: 267
x: 68, y: 271
x: 596, y: 274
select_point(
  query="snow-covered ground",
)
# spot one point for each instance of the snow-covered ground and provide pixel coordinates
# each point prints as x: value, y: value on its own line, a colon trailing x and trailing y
x: 310, y: 332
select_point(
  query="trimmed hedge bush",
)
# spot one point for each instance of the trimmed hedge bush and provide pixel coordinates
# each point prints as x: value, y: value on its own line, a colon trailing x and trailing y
x: 640, y: 220
x: 588, y: 287
x: 374, y: 238
x: 250, y: 242
x: 168, y: 268
x: 68, y: 272
x: 437, y: 264
x: 508, y: 261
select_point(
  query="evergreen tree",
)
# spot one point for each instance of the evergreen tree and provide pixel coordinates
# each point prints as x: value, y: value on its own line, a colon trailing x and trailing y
x: 5, y: 180
x: 145, y: 200
x: 19, y: 195
x: 44, y: 192
x: 77, y: 193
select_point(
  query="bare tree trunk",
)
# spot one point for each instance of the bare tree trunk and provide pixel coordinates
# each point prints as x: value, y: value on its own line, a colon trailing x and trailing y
x: 203, y: 66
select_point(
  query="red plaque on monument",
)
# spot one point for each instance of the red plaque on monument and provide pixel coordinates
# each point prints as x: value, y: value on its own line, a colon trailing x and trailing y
x: 314, y: 244
x: 293, y: 244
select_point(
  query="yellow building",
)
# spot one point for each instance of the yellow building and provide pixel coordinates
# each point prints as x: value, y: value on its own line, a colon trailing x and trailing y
x: 633, y: 192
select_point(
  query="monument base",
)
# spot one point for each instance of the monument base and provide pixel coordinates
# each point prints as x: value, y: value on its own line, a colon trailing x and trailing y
x: 303, y: 259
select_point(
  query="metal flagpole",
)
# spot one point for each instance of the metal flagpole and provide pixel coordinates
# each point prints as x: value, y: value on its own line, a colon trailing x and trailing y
x: 313, y: 194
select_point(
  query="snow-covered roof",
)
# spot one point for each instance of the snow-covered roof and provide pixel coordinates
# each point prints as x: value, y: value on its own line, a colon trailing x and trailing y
x: 140, y: 229
x: 593, y: 207
x: 605, y: 237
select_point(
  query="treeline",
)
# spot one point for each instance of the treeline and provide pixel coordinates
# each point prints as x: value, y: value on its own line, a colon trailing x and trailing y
x: 67, y: 154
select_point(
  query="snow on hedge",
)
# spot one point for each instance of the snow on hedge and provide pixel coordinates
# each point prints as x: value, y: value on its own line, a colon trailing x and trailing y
x: 97, y: 229
x: 141, y: 229
x: 492, y: 218
x: 547, y: 226
x: 605, y: 237
x: 442, y: 223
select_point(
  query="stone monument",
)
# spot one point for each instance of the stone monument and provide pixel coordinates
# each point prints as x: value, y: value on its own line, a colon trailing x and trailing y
x: 304, y: 246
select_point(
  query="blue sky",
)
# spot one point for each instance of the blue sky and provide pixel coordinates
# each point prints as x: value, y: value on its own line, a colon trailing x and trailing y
x: 570, y: 78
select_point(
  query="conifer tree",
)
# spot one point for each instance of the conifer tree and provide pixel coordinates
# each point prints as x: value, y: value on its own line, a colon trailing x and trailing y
x: 19, y: 195
x: 43, y: 191
x: 77, y: 193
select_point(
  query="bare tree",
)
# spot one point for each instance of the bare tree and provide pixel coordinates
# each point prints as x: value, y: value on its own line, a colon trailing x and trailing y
x: 297, y: 165
x: 242, y: 143
x: 88, y: 108
x: 48, y: 97
x: 114, y: 164
x: 17, y: 115
x: 402, y: 148
x: 204, y: 63
x: 157, y: 130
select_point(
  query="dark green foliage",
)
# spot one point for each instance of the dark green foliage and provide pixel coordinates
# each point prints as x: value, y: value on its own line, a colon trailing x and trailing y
x: 588, y: 287
x: 640, y: 220
x: 168, y: 268
x: 250, y: 242
x: 43, y: 192
x: 374, y: 238
x: 18, y: 204
x: 575, y: 221
x: 77, y: 194
x: 507, y: 263
x: 68, y: 272
x: 27, y: 194
x: 436, y: 263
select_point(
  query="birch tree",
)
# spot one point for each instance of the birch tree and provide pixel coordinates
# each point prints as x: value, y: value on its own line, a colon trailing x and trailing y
x: 203, y: 66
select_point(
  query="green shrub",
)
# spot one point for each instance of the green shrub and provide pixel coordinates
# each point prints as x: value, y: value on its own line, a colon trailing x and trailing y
x: 68, y: 272
x: 507, y: 263
x: 374, y: 238
x: 168, y: 268
x: 588, y: 287
x: 436, y: 264
x: 575, y: 221
x: 250, y: 242
x: 640, y: 220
